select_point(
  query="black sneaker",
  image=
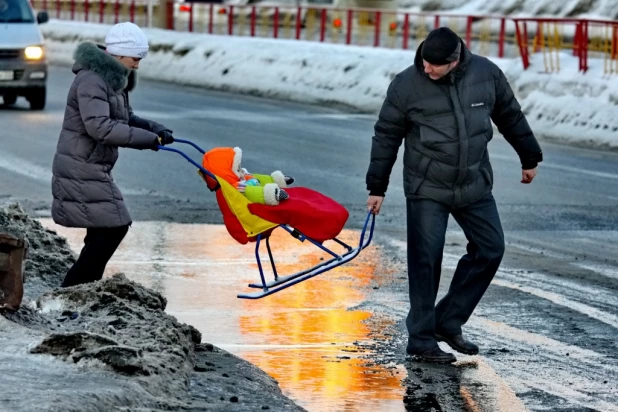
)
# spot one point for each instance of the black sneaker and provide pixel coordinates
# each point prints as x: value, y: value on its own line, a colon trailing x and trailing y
x: 435, y: 355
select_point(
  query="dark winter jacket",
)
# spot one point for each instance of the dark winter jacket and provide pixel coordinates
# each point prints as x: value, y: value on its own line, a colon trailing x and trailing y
x: 97, y: 121
x: 446, y: 125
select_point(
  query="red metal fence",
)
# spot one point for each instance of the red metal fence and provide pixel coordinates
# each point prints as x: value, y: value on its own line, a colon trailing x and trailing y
x: 489, y: 35
x: 497, y: 36
x: 583, y: 37
x: 96, y: 11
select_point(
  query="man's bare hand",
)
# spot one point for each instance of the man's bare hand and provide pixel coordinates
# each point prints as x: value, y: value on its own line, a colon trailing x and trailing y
x: 374, y: 203
x: 528, y: 175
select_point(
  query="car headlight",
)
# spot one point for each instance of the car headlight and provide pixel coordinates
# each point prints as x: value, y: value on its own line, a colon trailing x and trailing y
x: 34, y: 52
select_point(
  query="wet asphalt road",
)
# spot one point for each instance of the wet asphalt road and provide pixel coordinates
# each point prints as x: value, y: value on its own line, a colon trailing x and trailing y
x: 548, y: 325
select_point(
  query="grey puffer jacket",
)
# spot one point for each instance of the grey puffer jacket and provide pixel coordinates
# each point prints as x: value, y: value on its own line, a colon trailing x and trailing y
x: 97, y: 121
x: 446, y: 126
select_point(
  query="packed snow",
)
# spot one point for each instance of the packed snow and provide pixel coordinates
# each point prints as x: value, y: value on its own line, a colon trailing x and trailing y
x: 566, y: 105
x: 601, y: 9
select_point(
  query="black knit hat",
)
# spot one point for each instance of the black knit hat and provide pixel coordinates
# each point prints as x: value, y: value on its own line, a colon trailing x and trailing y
x: 442, y: 46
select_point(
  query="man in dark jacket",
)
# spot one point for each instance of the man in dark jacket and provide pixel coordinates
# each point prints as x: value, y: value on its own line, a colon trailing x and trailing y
x: 442, y: 107
x: 97, y: 121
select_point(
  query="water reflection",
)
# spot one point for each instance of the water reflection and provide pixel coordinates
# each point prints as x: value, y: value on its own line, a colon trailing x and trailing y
x: 302, y: 336
x: 315, y: 313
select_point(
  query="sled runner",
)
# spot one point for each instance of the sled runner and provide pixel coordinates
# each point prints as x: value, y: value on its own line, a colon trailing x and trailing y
x: 307, y: 216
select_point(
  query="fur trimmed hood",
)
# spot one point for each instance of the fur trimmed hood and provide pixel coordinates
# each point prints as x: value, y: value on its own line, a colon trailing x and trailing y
x: 221, y: 161
x: 93, y: 57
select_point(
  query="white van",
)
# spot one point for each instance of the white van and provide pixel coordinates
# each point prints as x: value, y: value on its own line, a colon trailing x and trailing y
x: 23, y: 64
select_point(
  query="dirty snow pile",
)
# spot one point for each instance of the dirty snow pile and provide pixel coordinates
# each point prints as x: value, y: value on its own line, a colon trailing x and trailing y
x: 109, y: 345
x: 568, y: 105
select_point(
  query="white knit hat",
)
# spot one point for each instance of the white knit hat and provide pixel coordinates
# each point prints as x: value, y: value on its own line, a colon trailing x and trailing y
x: 126, y: 40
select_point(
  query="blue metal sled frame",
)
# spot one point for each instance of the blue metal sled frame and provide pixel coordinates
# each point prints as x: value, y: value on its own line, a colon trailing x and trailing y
x: 282, y: 282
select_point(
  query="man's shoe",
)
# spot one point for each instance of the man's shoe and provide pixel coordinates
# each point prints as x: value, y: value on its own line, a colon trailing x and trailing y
x: 459, y: 343
x: 435, y: 355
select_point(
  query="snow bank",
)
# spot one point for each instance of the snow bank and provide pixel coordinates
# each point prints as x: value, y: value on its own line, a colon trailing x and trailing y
x: 116, y: 347
x: 566, y: 106
x: 286, y: 69
x: 601, y: 9
x: 569, y: 106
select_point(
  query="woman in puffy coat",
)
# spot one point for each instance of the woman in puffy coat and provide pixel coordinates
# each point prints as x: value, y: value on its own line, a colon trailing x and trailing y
x: 97, y: 121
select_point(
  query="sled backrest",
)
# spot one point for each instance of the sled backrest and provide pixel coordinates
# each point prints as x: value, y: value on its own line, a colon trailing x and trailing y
x: 233, y: 205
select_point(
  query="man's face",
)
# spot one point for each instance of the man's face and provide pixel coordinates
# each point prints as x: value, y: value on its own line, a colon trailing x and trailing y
x: 128, y: 62
x: 436, y: 72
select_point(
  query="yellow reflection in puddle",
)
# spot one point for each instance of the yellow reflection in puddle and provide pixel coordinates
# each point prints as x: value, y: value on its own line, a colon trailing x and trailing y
x: 314, y: 313
x: 301, y: 336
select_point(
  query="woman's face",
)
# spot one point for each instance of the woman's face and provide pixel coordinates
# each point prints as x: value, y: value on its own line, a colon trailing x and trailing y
x: 128, y: 62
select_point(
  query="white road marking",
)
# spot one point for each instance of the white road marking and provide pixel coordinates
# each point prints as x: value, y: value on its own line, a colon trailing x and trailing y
x: 33, y: 171
x: 570, y: 169
x: 217, y: 114
x: 24, y: 168
x: 538, y: 362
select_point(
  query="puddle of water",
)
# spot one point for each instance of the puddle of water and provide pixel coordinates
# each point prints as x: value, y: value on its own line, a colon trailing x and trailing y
x: 301, y: 336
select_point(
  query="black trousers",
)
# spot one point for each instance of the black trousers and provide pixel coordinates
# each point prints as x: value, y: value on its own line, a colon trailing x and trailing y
x: 427, y: 222
x: 99, y: 246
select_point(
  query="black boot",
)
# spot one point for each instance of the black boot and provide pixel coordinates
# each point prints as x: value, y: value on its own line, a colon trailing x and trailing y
x: 459, y: 343
x: 435, y: 355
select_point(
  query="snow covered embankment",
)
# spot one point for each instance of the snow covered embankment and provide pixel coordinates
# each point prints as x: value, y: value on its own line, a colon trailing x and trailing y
x: 565, y: 106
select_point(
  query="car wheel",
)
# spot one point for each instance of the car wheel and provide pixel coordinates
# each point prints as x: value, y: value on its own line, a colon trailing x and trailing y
x: 9, y: 99
x: 37, y: 98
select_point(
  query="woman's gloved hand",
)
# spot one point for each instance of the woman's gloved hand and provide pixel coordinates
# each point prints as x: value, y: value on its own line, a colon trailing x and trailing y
x: 165, y: 138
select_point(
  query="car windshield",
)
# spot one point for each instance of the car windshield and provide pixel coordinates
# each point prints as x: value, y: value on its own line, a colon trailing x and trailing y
x: 15, y: 11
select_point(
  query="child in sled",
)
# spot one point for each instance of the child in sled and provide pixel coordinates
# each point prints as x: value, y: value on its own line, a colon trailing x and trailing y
x: 225, y: 162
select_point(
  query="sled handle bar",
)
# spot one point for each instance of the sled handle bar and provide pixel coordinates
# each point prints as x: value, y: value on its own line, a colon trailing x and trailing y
x: 183, y: 154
